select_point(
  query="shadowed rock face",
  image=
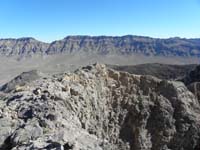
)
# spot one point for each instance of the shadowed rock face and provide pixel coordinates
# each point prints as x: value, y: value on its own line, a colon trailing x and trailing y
x: 21, y: 81
x: 161, y: 71
x: 192, y: 76
x: 103, y: 45
x: 192, y: 80
x: 99, y: 108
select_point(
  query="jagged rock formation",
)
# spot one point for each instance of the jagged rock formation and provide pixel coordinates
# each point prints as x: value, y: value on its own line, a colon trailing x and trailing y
x: 99, y: 108
x: 103, y: 45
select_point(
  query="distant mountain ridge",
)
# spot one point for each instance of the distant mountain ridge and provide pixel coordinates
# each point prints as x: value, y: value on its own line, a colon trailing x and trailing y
x: 22, y: 47
x: 103, y: 45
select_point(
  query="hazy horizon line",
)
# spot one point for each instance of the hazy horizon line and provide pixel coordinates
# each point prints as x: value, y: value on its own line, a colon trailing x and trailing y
x: 87, y: 35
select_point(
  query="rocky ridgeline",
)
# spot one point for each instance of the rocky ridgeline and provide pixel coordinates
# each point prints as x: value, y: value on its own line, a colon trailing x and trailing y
x: 22, y: 47
x: 99, y: 109
x: 102, y: 45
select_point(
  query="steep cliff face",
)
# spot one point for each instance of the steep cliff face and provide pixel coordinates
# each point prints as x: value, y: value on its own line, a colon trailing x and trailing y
x: 22, y: 47
x: 103, y: 45
x: 127, y: 45
x: 99, y: 108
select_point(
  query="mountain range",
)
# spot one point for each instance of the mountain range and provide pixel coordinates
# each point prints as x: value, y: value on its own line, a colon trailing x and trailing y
x: 127, y: 104
x: 103, y: 45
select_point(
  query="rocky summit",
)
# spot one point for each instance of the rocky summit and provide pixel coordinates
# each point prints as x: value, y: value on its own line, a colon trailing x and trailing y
x: 96, y: 108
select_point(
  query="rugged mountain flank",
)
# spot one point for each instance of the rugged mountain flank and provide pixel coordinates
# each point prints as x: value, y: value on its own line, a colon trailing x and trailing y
x: 103, y: 45
x: 127, y: 45
x: 99, y: 108
x: 22, y: 47
x: 21, y: 80
x: 161, y: 71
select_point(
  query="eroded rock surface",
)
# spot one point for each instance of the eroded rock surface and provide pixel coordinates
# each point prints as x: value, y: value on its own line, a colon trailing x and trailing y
x: 100, y: 109
x: 103, y: 45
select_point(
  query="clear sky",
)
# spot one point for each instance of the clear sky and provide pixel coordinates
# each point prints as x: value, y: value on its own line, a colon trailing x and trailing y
x: 49, y: 20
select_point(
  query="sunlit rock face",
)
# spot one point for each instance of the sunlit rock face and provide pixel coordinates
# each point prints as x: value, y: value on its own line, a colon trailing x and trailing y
x: 102, y: 45
x: 99, y: 109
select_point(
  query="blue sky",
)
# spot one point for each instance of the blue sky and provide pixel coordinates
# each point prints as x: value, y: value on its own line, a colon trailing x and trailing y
x: 49, y: 20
